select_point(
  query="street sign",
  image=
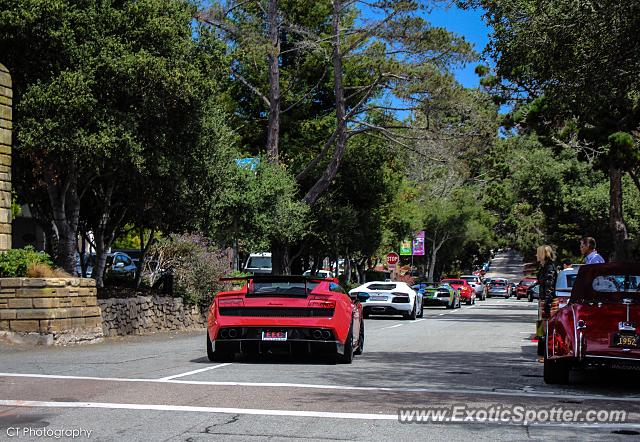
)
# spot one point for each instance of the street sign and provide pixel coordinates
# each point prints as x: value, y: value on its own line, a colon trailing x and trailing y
x: 392, y: 260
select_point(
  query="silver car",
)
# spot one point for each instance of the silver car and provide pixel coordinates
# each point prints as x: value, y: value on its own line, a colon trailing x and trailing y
x: 499, y: 287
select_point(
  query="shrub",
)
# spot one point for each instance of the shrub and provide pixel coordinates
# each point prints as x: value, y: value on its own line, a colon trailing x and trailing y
x: 15, y: 262
x: 44, y: 270
x: 194, y: 262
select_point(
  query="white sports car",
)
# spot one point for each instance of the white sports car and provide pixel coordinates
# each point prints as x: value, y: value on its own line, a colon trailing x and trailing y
x: 390, y: 298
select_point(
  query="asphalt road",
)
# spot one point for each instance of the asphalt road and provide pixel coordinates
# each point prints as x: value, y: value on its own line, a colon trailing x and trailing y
x: 162, y: 387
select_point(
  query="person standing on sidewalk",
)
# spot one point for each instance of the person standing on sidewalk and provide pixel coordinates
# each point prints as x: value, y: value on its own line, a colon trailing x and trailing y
x: 588, y: 249
x: 547, y: 275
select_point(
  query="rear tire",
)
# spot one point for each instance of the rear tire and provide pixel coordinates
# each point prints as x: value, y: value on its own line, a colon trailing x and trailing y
x: 556, y: 371
x: 412, y: 316
x: 360, y: 348
x: 347, y: 357
x: 218, y: 355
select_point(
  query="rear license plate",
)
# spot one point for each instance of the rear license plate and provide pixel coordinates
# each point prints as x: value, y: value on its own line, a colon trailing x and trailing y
x: 274, y: 336
x: 630, y: 341
x: 378, y: 298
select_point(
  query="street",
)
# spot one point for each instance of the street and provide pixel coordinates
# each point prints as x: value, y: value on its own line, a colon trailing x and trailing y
x: 162, y: 387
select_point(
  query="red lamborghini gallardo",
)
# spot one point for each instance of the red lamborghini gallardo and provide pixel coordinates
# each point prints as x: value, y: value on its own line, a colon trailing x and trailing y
x: 274, y: 314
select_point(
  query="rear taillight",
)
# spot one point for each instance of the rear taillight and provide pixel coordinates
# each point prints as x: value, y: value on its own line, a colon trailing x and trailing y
x: 230, y: 302
x: 322, y: 303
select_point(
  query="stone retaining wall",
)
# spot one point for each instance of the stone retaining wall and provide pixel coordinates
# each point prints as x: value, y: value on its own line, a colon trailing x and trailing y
x: 64, y: 309
x: 148, y: 314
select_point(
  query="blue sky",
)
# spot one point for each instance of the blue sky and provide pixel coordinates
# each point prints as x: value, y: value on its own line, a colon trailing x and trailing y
x: 468, y: 24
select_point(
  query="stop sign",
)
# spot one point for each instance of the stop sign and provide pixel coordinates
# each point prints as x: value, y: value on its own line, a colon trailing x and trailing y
x: 392, y: 259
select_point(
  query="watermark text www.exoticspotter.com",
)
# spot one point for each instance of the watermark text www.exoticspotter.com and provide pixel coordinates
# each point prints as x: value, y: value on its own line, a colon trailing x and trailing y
x: 518, y: 414
x: 53, y: 433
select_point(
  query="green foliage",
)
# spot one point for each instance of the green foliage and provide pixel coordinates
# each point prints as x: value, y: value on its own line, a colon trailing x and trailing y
x: 14, y: 262
x: 258, y: 207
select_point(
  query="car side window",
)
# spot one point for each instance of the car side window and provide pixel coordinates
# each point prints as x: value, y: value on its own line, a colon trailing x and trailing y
x: 126, y: 261
x: 336, y: 288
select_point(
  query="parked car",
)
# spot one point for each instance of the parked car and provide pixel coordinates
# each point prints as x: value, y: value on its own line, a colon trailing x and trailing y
x: 467, y: 293
x: 390, y: 298
x: 499, y: 287
x: 118, y: 265
x: 533, y: 292
x: 599, y: 326
x: 319, y: 274
x: 564, y: 284
x: 440, y: 295
x: 259, y: 264
x: 273, y: 314
x: 523, y: 285
x: 476, y: 283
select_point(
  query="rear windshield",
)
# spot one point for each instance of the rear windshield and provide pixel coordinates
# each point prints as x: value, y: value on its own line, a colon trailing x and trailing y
x: 469, y: 278
x: 381, y: 287
x: 259, y: 262
x: 500, y: 283
x: 530, y: 283
x: 455, y: 282
x: 283, y: 288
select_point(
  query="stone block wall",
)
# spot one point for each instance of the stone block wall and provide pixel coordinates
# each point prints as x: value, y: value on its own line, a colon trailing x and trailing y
x: 6, y: 116
x: 148, y: 314
x: 65, y: 309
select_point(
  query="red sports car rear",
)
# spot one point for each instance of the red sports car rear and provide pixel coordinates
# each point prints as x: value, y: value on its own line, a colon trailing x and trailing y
x: 285, y: 314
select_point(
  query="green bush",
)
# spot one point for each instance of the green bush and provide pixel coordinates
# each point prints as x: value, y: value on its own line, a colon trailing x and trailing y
x: 14, y: 262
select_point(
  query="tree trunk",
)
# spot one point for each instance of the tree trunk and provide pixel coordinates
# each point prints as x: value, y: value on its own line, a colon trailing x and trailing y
x: 273, y: 56
x: 144, y: 249
x: 434, y: 255
x: 65, y: 205
x: 616, y: 215
x: 341, y: 124
x: 280, y: 264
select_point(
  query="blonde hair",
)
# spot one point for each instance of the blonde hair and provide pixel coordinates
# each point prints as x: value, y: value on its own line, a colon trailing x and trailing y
x: 545, y: 253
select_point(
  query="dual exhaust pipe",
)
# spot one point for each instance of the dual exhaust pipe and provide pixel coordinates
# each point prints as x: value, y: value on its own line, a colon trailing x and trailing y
x: 321, y: 334
x: 230, y: 333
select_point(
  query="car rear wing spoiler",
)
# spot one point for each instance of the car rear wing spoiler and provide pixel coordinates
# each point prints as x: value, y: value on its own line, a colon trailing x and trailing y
x: 276, y: 278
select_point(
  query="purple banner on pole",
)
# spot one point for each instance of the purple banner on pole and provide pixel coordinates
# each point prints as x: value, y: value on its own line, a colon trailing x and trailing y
x: 418, y: 244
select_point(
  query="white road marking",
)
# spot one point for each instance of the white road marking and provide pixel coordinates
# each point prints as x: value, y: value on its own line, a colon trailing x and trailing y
x: 392, y: 326
x: 298, y: 413
x: 291, y: 413
x: 194, y: 372
x: 419, y: 320
x: 511, y: 393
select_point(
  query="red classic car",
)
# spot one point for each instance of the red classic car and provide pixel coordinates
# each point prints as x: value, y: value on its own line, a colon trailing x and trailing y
x: 599, y: 325
x: 467, y: 293
x: 523, y: 285
x: 273, y: 314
